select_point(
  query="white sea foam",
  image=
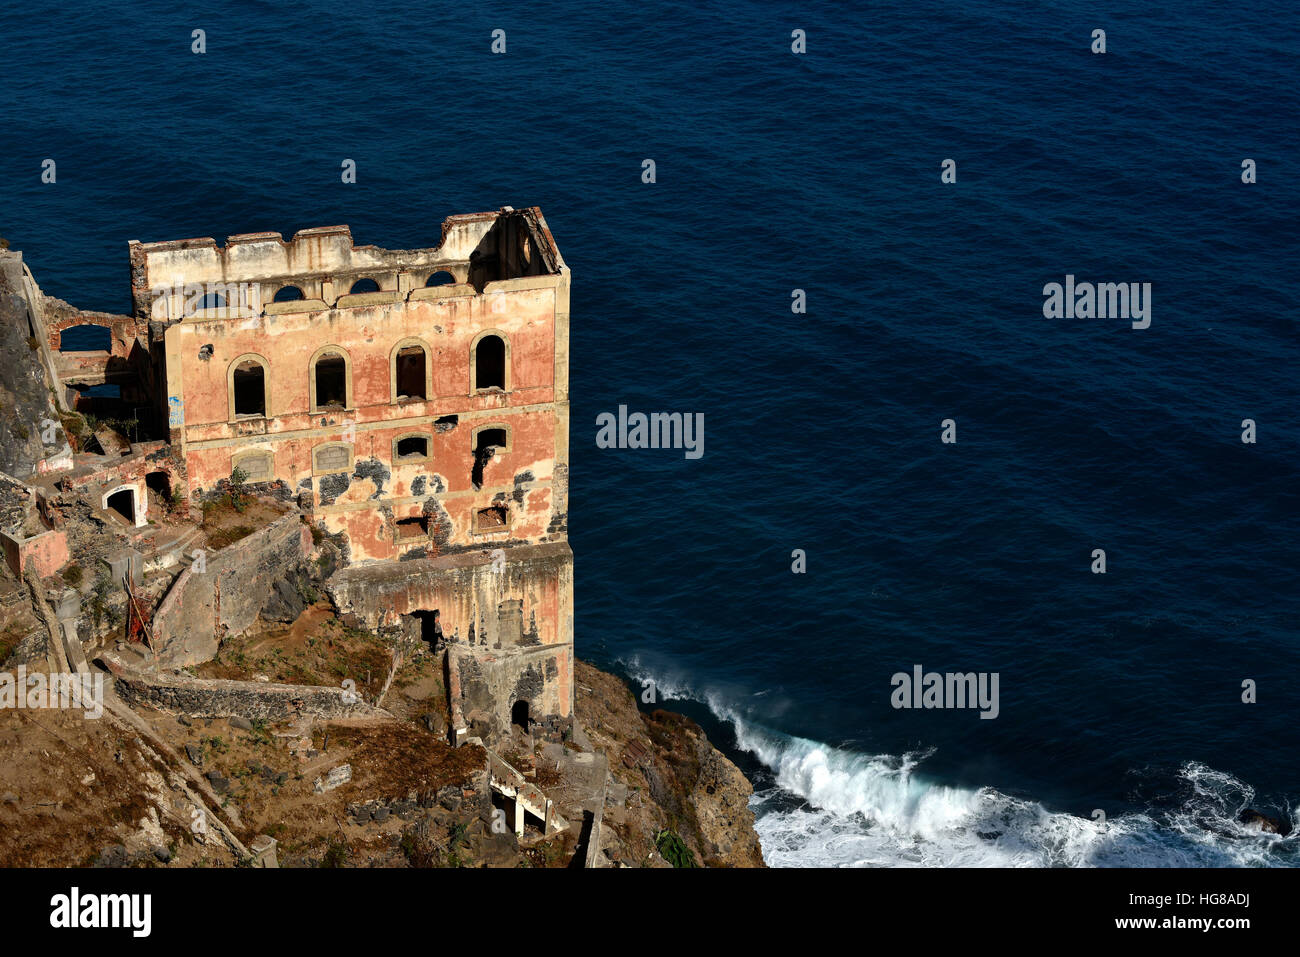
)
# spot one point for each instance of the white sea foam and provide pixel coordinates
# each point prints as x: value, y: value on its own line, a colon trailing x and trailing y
x: 833, y: 807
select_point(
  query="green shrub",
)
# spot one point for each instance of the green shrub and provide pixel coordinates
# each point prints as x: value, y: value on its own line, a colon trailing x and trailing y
x: 674, y: 850
x: 238, y: 493
x: 336, y: 855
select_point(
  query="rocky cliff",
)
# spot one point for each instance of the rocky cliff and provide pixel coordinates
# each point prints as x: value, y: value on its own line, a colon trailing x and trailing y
x: 27, y: 413
x: 677, y: 782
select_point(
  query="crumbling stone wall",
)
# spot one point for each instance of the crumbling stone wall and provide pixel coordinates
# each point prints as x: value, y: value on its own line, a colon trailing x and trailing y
x: 507, y: 620
x: 130, y: 470
x: 490, y: 685
x: 43, y: 554
x: 125, y: 363
x: 219, y: 698
x: 471, y: 590
x: 226, y: 596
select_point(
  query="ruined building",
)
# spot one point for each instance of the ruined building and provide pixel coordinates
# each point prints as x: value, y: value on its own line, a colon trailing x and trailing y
x: 411, y: 405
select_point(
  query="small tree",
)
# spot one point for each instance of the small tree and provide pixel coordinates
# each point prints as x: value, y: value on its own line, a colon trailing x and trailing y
x: 238, y: 491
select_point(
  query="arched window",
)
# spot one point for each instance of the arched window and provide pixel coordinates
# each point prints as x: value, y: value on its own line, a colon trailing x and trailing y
x: 256, y: 465
x: 489, y: 363
x: 363, y: 285
x: 411, y: 371
x: 331, y: 380
x: 86, y: 338
x: 247, y: 387
x: 440, y: 278
x: 288, y: 294
x: 332, y: 457
x: 212, y: 300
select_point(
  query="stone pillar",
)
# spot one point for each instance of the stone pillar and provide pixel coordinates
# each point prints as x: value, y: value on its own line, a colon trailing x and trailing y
x: 123, y: 561
x: 263, y: 849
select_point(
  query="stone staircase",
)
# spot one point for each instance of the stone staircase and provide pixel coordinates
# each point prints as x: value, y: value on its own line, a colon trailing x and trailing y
x: 527, y: 797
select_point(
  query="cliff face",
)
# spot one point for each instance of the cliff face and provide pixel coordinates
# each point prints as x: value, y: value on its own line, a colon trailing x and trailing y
x: 25, y: 399
x: 675, y: 781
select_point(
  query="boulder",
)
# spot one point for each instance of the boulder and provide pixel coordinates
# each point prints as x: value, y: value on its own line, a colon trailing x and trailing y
x: 1266, y: 822
x: 335, y: 778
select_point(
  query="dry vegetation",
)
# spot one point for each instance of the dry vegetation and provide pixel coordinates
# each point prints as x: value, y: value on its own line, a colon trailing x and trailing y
x: 317, y: 649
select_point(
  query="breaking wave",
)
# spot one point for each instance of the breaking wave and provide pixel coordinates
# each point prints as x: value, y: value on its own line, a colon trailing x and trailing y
x: 830, y: 807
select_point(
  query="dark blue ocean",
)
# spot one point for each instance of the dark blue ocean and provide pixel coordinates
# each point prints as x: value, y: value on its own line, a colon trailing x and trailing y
x: 1119, y: 692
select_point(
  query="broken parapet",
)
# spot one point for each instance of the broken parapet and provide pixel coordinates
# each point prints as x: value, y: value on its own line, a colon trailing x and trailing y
x: 28, y: 540
x: 43, y: 554
x: 221, y: 698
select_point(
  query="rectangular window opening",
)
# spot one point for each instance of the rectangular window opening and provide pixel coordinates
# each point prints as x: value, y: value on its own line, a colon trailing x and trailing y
x: 413, y: 447
x: 410, y: 373
x: 413, y: 527
x: 331, y: 382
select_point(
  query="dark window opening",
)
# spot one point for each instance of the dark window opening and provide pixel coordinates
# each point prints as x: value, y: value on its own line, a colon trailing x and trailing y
x: 364, y: 285
x: 159, y: 487
x: 250, y: 388
x: 86, y: 338
x: 490, y: 363
x: 413, y: 527
x: 213, y: 300
x: 413, y: 447
x: 123, y: 503
x: 430, y: 628
x: 519, y: 715
x: 441, y: 279
x: 492, y: 518
x: 410, y: 373
x: 103, y: 401
x: 487, y: 443
x: 331, y: 381
x: 288, y: 294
